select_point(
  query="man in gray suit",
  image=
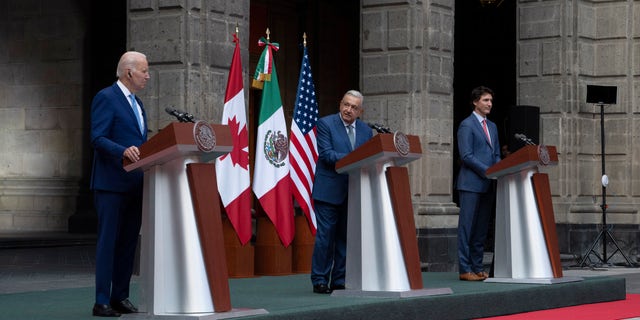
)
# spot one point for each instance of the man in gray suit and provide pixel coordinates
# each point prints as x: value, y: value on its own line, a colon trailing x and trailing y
x: 338, y: 135
x: 479, y: 149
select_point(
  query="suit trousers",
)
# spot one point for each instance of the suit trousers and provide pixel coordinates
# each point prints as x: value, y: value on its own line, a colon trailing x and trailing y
x: 328, y: 262
x: 119, y: 220
x: 473, y: 225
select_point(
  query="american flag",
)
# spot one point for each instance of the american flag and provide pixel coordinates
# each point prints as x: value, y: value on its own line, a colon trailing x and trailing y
x: 303, y: 151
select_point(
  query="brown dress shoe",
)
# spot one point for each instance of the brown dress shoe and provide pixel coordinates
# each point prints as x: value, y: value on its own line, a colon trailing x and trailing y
x: 470, y: 276
x: 482, y: 275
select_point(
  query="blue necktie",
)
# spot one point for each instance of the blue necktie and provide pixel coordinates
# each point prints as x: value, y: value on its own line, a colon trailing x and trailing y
x: 352, y: 136
x: 134, y: 106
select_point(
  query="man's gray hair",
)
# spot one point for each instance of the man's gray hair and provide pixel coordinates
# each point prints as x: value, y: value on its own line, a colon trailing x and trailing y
x: 129, y: 60
x: 356, y: 94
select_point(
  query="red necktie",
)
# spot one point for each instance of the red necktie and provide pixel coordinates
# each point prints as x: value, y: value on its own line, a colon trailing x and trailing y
x: 486, y: 132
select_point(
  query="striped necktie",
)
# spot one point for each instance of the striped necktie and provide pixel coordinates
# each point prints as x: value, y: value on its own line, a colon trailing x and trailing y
x: 486, y: 132
x: 352, y: 136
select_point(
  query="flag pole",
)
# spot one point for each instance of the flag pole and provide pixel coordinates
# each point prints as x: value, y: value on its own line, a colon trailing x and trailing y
x: 304, y: 39
x: 268, y: 33
x: 237, y: 28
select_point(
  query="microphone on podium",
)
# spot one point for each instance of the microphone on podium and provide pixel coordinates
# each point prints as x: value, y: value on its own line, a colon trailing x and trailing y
x: 180, y: 116
x: 379, y: 128
x: 523, y: 138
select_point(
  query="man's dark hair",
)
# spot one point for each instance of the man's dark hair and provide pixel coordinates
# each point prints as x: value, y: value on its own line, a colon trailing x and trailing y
x: 478, y: 92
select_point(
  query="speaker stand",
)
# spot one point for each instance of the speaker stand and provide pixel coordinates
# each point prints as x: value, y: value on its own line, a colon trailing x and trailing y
x: 604, y: 232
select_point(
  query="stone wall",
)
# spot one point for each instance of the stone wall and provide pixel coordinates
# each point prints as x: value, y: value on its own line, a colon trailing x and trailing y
x: 406, y: 73
x: 41, y: 112
x: 563, y: 46
x: 189, y: 47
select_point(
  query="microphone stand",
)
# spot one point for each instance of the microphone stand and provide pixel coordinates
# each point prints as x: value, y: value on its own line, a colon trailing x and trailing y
x: 604, y: 232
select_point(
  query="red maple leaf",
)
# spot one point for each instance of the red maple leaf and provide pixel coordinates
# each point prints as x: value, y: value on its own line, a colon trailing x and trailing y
x: 240, y: 143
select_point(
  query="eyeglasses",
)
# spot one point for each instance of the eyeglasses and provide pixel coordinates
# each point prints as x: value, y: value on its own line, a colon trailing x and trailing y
x: 349, y: 105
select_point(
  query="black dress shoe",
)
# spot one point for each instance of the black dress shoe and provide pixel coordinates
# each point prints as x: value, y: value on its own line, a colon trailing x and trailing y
x: 104, y: 310
x: 337, y: 287
x: 124, y: 306
x: 321, y: 288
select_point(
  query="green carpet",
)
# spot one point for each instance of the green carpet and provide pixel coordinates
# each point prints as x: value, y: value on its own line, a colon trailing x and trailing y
x: 291, y: 297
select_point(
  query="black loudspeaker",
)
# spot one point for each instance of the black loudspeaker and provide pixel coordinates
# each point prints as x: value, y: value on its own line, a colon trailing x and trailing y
x: 523, y: 120
x: 601, y: 94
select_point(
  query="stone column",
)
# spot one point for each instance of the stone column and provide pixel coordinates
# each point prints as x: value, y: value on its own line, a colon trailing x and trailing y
x: 189, y: 47
x: 407, y: 80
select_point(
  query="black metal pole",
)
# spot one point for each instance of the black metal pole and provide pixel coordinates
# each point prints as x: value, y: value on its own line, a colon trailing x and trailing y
x: 604, y: 232
x: 604, y: 189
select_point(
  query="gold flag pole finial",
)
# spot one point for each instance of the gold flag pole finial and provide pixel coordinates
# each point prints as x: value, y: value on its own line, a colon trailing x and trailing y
x: 268, y: 33
x: 237, y: 28
x: 304, y: 39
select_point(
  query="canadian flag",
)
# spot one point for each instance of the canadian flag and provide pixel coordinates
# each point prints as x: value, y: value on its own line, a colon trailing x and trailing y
x: 232, y: 169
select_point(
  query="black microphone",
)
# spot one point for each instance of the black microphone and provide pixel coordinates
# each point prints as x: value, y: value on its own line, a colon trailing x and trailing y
x: 523, y: 138
x: 379, y: 128
x: 180, y: 116
x: 188, y: 117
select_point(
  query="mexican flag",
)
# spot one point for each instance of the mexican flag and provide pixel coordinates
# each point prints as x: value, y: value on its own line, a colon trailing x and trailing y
x: 271, y: 183
x: 232, y: 169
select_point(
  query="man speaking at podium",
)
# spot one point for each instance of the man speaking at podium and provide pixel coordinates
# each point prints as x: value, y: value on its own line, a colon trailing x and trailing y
x: 338, y: 135
x: 118, y: 128
x: 479, y: 149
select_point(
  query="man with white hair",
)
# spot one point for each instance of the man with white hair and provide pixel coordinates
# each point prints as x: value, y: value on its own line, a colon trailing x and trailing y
x: 118, y: 128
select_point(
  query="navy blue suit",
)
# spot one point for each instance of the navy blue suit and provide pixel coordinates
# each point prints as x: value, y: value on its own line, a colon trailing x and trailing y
x: 477, y: 192
x: 117, y: 193
x: 329, y: 194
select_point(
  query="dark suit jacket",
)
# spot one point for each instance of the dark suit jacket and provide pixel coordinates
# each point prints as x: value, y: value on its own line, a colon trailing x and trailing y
x: 477, y: 154
x: 114, y: 127
x: 333, y: 145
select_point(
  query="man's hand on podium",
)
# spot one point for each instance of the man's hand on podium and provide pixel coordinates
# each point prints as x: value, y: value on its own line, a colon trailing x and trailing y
x: 132, y: 153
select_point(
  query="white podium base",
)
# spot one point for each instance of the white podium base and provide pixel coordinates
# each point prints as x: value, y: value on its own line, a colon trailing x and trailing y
x: 391, y: 294
x: 535, y: 280
x: 234, y: 313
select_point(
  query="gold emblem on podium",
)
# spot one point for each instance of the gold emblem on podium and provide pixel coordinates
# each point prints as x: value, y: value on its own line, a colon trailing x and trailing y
x: 204, y: 136
x: 543, y: 155
x: 401, y: 143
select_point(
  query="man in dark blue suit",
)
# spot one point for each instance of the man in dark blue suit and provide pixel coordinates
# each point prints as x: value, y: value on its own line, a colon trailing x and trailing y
x: 479, y: 149
x: 118, y: 128
x: 338, y: 135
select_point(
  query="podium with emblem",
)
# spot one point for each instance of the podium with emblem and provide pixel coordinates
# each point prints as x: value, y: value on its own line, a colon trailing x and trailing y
x: 526, y: 241
x: 382, y: 247
x: 182, y: 258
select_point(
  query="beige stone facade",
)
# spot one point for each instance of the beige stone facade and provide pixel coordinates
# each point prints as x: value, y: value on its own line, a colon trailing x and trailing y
x: 406, y: 73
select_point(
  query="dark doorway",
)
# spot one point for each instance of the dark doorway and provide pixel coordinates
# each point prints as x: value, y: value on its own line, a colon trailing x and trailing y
x: 333, y: 42
x: 332, y: 28
x: 104, y: 43
x: 485, y: 54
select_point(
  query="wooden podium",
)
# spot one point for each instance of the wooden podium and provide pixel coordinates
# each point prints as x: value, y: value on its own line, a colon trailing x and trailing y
x: 183, y: 265
x: 382, y: 248
x: 526, y: 241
